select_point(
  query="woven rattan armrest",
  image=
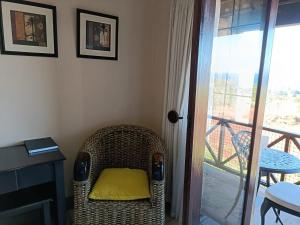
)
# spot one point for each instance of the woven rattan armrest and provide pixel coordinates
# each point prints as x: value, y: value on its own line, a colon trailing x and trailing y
x: 82, y: 178
x: 82, y: 166
x: 157, y: 193
x: 157, y: 176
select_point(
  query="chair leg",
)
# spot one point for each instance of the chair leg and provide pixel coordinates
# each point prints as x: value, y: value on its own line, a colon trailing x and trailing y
x: 259, y: 180
x: 46, y: 213
x: 263, y: 210
x: 268, y: 180
x: 278, y: 212
x: 277, y: 216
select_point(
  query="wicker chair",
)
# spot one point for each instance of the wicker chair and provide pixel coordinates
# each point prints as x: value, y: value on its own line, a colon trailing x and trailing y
x: 118, y: 147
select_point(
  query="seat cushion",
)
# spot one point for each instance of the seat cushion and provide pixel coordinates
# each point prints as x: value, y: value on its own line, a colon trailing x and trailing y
x: 285, y: 194
x: 121, y: 184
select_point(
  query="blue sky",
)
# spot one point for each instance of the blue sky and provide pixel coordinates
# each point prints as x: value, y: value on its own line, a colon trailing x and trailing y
x: 240, y: 54
x: 285, y: 66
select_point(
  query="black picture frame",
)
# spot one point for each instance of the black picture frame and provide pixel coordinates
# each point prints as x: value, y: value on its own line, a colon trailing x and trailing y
x: 3, y: 46
x: 80, y: 54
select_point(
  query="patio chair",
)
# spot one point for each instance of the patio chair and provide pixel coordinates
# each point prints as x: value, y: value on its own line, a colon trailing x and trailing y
x: 281, y: 196
x: 241, y: 142
x: 121, y: 146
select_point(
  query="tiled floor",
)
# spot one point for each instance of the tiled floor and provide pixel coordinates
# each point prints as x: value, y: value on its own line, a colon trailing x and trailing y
x: 218, y: 196
x: 270, y: 217
x: 171, y: 222
x: 33, y: 219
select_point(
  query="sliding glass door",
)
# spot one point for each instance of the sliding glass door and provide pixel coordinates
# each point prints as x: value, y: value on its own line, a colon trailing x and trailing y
x: 233, y: 42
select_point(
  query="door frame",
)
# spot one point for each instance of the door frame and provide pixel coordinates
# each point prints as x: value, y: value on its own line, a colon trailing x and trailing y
x: 202, y: 43
x: 259, y: 111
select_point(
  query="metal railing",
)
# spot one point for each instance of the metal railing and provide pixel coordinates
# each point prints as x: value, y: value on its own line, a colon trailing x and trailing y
x: 223, y: 155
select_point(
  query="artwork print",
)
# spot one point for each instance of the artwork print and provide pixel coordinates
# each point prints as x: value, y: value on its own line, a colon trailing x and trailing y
x: 98, y: 36
x: 28, y: 29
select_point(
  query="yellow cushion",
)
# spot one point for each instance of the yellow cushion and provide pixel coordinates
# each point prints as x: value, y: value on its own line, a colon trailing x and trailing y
x: 121, y: 184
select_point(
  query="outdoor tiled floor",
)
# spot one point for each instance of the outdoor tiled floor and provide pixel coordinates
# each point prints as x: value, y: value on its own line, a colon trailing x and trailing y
x: 270, y: 217
x: 219, y: 194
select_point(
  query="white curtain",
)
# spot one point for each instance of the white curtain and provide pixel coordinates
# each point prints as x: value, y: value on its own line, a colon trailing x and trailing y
x: 176, y: 98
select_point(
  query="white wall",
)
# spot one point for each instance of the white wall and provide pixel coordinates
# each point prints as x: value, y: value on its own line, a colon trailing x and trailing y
x: 68, y: 98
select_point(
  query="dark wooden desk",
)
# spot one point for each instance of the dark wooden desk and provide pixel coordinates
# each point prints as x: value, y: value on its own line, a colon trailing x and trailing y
x: 18, y: 171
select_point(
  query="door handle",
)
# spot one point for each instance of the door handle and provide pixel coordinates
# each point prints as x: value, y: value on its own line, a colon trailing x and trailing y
x: 173, y: 116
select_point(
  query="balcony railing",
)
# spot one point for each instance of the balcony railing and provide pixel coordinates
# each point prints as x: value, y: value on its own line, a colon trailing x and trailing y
x: 222, y: 154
